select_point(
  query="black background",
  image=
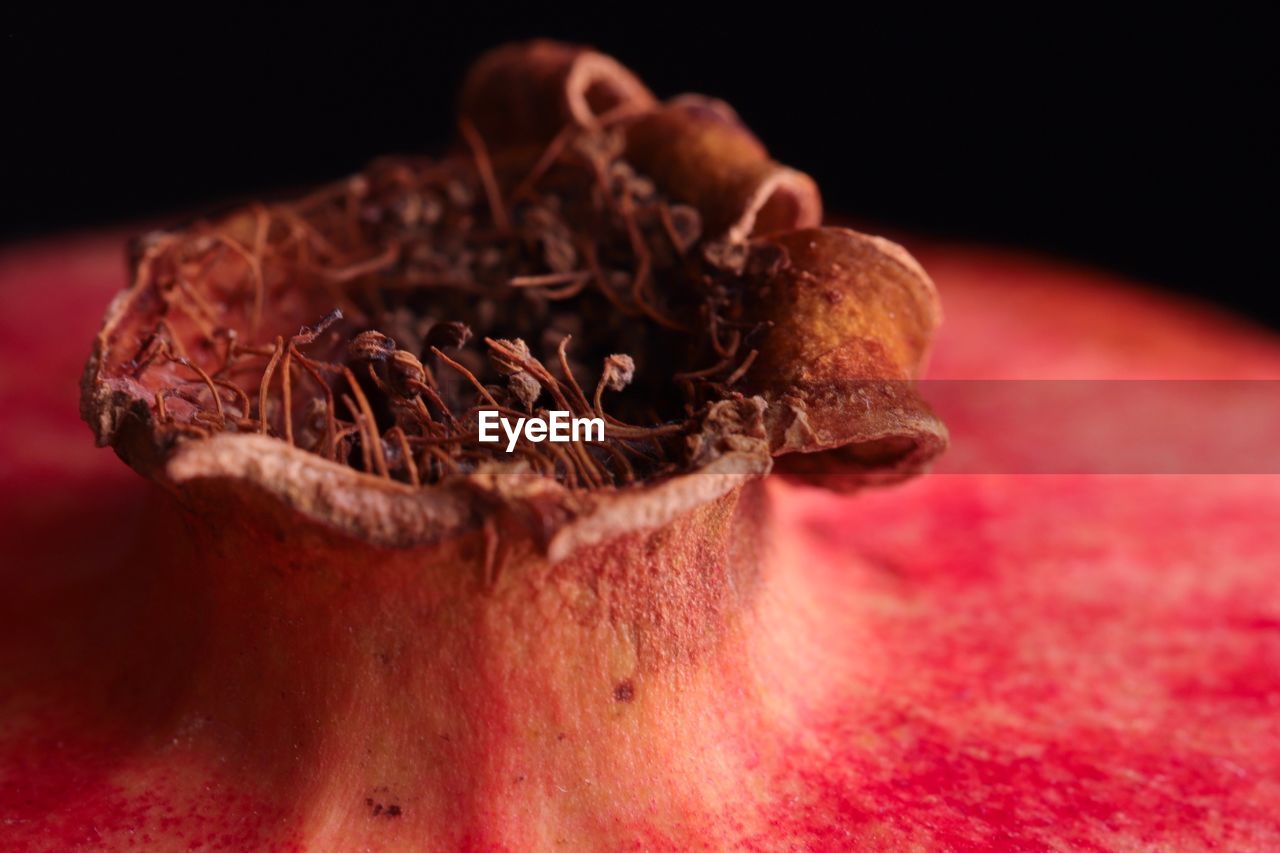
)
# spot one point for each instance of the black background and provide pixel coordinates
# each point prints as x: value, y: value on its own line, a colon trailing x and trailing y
x: 1135, y: 140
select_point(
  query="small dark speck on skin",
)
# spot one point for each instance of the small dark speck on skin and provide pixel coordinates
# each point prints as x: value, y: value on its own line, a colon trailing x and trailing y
x: 560, y: 736
x: 625, y: 691
x: 833, y: 296
x: 378, y: 810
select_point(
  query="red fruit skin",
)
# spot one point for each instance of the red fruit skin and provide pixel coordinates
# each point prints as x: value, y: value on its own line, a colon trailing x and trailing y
x: 1030, y: 661
x: 1078, y: 661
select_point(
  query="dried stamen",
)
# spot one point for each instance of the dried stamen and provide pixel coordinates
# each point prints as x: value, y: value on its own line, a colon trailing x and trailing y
x: 582, y: 249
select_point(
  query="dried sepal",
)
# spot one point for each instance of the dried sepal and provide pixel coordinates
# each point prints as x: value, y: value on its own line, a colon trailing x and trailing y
x: 525, y: 93
x: 703, y: 156
x: 736, y: 350
x: 852, y: 316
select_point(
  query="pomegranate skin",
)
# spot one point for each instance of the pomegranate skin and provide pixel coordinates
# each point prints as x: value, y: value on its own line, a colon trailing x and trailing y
x: 961, y: 661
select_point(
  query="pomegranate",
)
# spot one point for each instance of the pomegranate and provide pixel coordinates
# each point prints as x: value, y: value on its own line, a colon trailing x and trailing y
x: 274, y: 649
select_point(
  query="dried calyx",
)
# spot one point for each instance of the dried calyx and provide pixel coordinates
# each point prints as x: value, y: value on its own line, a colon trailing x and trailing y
x: 587, y: 250
x: 379, y: 602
